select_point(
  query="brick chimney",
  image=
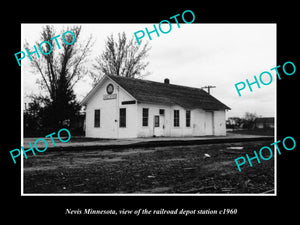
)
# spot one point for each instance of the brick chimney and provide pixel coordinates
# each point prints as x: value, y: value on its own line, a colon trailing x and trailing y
x: 167, y: 81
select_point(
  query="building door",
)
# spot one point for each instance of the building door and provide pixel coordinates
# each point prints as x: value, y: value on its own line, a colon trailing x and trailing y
x: 110, y: 123
x: 209, y: 123
x: 159, y: 125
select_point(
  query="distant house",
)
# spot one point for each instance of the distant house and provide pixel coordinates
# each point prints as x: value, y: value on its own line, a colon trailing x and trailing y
x: 264, y: 123
x: 120, y: 107
x: 233, y: 122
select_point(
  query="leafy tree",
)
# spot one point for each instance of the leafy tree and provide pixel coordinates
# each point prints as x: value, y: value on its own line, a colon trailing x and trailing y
x: 32, y: 119
x: 121, y: 57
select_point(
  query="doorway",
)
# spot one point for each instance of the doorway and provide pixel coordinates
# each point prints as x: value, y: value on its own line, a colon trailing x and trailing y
x: 158, y: 125
x: 209, y: 123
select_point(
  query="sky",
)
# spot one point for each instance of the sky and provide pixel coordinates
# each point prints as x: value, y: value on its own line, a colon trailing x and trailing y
x: 194, y: 55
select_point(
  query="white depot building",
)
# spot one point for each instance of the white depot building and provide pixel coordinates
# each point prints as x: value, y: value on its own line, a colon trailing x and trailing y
x: 121, y: 107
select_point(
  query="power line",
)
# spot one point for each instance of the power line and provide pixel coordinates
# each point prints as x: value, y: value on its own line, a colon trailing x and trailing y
x: 208, y: 88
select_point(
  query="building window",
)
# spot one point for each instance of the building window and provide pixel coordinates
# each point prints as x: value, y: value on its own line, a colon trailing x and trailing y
x: 156, y: 121
x: 145, y: 117
x: 162, y: 112
x: 176, y: 118
x: 122, y: 117
x: 188, y: 118
x: 97, y: 118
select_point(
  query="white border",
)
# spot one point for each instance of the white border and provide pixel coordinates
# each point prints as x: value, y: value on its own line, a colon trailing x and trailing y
x: 22, y: 117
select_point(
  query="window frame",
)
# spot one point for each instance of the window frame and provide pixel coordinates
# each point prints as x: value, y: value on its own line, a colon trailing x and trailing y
x: 122, y: 118
x: 97, y: 117
x: 176, y: 119
x: 145, y: 117
x: 188, y: 118
x: 156, y: 121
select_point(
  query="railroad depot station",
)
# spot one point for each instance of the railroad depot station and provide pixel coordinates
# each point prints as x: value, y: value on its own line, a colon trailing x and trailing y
x: 121, y: 107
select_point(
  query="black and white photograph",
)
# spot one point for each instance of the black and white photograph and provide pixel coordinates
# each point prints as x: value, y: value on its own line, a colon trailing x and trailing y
x: 110, y: 111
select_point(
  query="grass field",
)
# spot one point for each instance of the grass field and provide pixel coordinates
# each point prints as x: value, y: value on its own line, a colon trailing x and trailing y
x: 171, y: 169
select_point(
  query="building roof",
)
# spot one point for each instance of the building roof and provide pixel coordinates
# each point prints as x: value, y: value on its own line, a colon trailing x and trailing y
x: 264, y: 120
x: 145, y: 91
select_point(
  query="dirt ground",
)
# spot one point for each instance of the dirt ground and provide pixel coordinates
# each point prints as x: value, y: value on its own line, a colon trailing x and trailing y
x: 170, y: 169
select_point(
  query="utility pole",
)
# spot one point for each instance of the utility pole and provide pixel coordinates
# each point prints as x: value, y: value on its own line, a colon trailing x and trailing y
x: 208, y: 88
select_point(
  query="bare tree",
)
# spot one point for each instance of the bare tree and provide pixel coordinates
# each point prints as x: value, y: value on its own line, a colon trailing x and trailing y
x: 121, y: 57
x: 65, y: 63
x: 60, y: 70
x: 250, y: 116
